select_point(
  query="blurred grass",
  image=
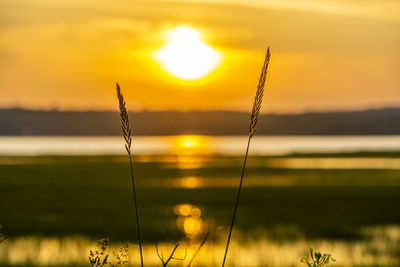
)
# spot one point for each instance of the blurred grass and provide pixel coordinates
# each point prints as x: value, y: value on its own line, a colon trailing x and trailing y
x: 91, y: 196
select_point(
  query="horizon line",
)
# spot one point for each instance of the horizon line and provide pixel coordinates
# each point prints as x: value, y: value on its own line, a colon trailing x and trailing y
x: 310, y: 111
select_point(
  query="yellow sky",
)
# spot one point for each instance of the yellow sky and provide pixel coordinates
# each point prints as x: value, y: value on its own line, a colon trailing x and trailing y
x: 326, y: 54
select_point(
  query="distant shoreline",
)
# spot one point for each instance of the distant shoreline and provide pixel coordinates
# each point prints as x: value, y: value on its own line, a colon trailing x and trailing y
x: 24, y: 122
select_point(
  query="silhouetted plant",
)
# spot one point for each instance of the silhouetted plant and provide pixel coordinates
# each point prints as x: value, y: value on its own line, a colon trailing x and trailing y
x: 253, y: 122
x: 3, y: 236
x: 98, y: 257
x: 198, y: 250
x: 317, y: 259
x: 171, y: 256
x: 121, y: 257
x: 126, y: 132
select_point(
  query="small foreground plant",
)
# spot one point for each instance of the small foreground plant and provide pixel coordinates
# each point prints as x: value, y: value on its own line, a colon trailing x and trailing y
x: 165, y: 261
x: 99, y: 257
x: 3, y: 236
x: 171, y: 256
x: 317, y: 259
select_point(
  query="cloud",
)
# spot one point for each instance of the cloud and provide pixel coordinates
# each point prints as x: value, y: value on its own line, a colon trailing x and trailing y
x: 383, y: 9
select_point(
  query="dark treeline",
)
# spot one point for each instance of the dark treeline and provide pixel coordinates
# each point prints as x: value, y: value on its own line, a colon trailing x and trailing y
x: 31, y: 122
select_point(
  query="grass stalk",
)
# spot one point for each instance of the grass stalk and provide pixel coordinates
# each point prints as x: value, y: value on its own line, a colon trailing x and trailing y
x: 253, y: 122
x: 198, y: 250
x: 126, y: 132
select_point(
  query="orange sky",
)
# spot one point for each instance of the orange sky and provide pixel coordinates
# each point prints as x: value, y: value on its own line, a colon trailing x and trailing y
x: 326, y: 54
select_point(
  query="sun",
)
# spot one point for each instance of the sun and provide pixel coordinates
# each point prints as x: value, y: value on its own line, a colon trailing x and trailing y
x: 186, y: 56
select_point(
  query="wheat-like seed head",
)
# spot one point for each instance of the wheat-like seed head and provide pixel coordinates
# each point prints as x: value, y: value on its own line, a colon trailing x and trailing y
x: 125, y: 125
x: 259, y: 95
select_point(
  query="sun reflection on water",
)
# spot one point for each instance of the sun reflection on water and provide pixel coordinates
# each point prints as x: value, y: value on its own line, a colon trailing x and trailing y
x: 189, y: 162
x: 189, y: 150
x: 189, y: 220
x: 190, y: 144
x: 190, y: 182
x: 188, y: 141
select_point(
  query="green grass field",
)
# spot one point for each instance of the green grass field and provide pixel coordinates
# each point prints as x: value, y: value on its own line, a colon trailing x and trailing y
x: 91, y: 196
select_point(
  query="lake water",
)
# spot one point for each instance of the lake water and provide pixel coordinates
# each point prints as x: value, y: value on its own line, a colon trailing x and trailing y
x: 276, y: 223
x: 195, y: 144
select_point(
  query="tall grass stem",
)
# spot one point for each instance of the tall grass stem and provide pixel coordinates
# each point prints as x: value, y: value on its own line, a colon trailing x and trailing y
x: 136, y: 211
x: 255, y: 112
x: 126, y: 132
x: 237, y: 201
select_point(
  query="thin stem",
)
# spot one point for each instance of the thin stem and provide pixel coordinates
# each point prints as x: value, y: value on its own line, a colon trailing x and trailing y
x: 237, y: 200
x: 198, y: 250
x: 171, y: 256
x: 136, y: 210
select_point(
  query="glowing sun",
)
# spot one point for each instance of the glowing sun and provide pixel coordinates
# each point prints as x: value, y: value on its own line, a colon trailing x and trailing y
x: 186, y: 56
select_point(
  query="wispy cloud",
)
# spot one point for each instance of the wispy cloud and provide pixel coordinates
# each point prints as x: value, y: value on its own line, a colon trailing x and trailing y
x: 383, y: 9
